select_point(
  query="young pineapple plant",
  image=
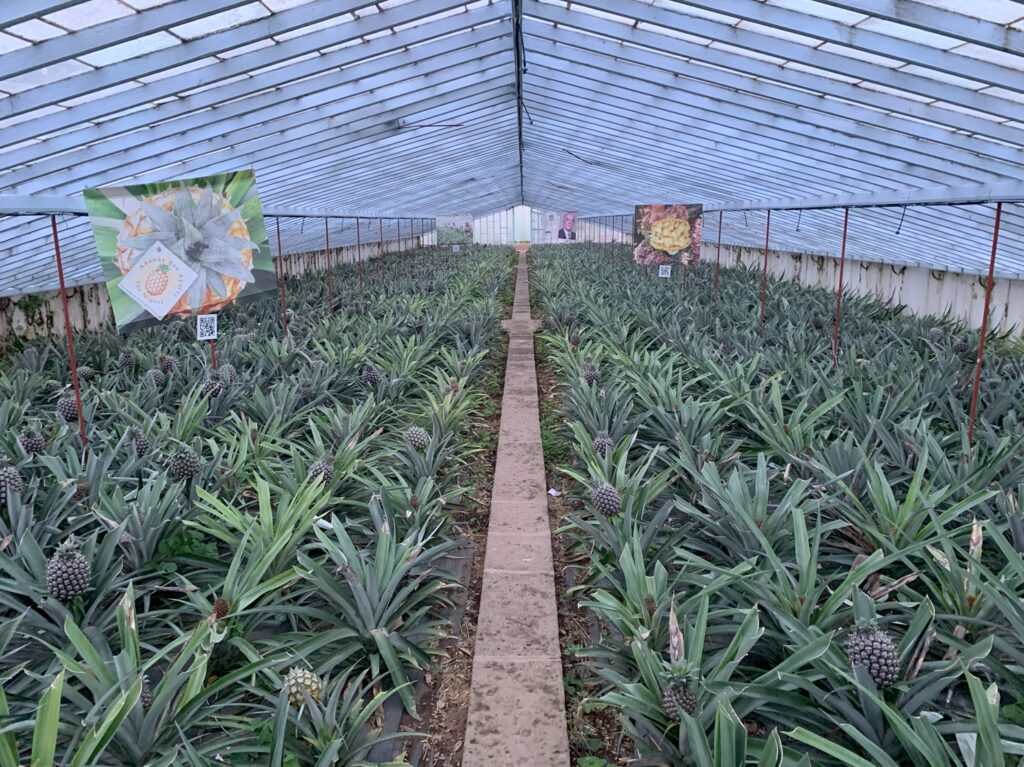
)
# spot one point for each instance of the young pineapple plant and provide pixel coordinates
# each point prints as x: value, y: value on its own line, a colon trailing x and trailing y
x: 68, y: 572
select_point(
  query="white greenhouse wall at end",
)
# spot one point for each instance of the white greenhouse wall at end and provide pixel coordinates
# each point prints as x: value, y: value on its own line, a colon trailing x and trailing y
x: 922, y: 291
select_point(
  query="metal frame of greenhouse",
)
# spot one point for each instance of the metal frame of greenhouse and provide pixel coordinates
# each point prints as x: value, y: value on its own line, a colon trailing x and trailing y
x: 410, y: 108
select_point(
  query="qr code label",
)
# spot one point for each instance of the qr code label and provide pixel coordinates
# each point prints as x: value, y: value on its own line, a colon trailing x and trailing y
x: 664, y: 270
x: 456, y: 248
x: 206, y: 327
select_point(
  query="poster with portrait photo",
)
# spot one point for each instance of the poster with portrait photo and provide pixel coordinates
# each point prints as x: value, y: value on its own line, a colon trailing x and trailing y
x: 666, y: 234
x: 567, y: 226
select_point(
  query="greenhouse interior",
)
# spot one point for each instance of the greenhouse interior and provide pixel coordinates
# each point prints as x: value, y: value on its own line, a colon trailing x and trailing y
x: 512, y: 382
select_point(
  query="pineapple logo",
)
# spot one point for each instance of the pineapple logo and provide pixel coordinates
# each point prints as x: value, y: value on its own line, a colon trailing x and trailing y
x: 157, y: 280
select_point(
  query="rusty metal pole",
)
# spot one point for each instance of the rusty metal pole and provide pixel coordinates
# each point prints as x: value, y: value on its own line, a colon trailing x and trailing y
x: 976, y: 389
x: 359, y: 266
x: 75, y: 384
x: 718, y: 264
x: 280, y: 277
x: 764, y: 270
x: 359, y: 241
x: 213, y: 353
x: 330, y: 265
x: 381, y: 222
x: 839, y: 293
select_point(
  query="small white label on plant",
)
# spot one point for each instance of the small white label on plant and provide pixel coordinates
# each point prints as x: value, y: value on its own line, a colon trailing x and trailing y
x: 206, y: 327
x: 456, y: 248
x: 554, y: 492
x: 665, y: 270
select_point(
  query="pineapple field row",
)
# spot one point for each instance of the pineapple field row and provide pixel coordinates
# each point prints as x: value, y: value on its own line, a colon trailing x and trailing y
x: 782, y: 561
x: 246, y: 562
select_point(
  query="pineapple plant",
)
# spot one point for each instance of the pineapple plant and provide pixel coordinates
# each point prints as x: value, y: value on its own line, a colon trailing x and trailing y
x: 228, y: 374
x: 67, y: 408
x: 590, y: 373
x: 603, y: 443
x: 155, y: 377
x: 11, y: 483
x: 960, y: 346
x: 68, y: 572
x: 678, y: 696
x: 214, y: 385
x: 874, y: 649
x: 32, y: 441
x: 138, y: 442
x: 299, y: 683
x: 167, y: 364
x: 86, y: 373
x: 184, y: 464
x: 146, y: 695
x: 574, y: 339
x: 417, y: 437
x: 221, y: 609
x: 606, y: 499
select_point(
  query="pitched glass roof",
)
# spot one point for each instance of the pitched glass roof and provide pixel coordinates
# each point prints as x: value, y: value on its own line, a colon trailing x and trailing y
x: 409, y: 107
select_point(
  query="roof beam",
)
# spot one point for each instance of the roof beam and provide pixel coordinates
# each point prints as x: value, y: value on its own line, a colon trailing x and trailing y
x: 932, y: 18
x: 187, y: 52
x: 810, y: 56
x: 185, y: 107
x: 16, y: 11
x: 937, y: 123
x: 85, y: 41
x: 950, y: 62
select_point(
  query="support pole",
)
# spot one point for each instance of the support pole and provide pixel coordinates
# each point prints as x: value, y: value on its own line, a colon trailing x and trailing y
x: 764, y: 270
x: 280, y: 276
x: 972, y: 417
x: 213, y: 353
x: 330, y: 266
x: 381, y: 222
x: 359, y: 268
x: 68, y: 334
x: 839, y: 293
x: 718, y: 264
x: 359, y: 241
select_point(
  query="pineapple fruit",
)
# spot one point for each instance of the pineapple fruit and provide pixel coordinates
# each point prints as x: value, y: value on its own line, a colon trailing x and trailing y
x: 68, y: 572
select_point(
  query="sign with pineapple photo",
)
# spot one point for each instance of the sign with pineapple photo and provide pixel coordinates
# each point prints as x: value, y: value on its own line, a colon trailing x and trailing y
x: 180, y: 248
x: 665, y: 234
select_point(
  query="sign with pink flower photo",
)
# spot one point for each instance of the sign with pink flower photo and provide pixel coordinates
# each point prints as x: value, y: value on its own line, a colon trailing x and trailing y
x: 180, y: 248
x: 666, y: 234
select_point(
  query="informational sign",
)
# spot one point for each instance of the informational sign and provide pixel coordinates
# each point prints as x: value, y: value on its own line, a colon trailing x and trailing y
x: 206, y: 327
x: 665, y: 270
x: 180, y: 248
x: 666, y: 234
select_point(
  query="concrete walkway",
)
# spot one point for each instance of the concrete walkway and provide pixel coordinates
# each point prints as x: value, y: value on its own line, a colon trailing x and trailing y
x: 516, y: 700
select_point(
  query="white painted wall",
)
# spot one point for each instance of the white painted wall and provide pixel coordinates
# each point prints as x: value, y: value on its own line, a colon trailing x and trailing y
x: 922, y: 291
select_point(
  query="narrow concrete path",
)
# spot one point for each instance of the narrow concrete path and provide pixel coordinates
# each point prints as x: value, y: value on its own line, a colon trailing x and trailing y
x: 516, y: 700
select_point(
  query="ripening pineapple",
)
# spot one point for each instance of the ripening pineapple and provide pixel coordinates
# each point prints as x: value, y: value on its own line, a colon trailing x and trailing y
x: 298, y: 683
x: 139, y: 442
x: 67, y: 408
x: 214, y: 385
x: 417, y: 437
x: 184, y: 464
x: 606, y: 499
x: 590, y: 373
x: 817, y: 322
x: 603, y: 443
x: 369, y: 375
x: 167, y: 364
x: 228, y: 374
x: 322, y: 469
x: 574, y: 338
x: 960, y: 346
x: 936, y: 334
x: 155, y: 377
x: 68, y: 572
x: 10, y: 483
x: 86, y: 373
x: 678, y: 696
x: 875, y: 649
x: 126, y: 360
x: 32, y: 442
x: 146, y: 696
